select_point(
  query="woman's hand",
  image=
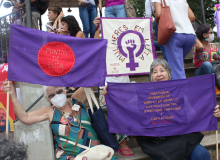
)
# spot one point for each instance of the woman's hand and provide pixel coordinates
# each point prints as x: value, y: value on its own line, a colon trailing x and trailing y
x: 100, y: 7
x: 96, y: 21
x: 216, y: 112
x: 9, y: 88
x: 104, y: 91
x: 61, y: 31
x: 61, y: 15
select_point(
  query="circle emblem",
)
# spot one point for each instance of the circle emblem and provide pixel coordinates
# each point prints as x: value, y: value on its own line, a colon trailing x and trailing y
x: 56, y: 59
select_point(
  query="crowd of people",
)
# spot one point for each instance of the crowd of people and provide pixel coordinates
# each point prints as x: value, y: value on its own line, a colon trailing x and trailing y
x: 68, y: 117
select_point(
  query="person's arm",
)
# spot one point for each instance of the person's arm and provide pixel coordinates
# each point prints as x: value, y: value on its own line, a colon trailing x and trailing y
x: 158, y: 9
x: 80, y: 95
x: 80, y: 34
x: 97, y: 24
x: 58, y: 20
x: 100, y: 5
x: 191, y: 15
x: 199, y: 46
x: 24, y: 117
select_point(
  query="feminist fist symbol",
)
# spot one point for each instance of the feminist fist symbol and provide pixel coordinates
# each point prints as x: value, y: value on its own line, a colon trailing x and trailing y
x: 132, y: 46
x: 132, y: 65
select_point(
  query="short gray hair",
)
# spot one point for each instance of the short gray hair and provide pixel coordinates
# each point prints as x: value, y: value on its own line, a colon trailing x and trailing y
x: 44, y: 90
x: 164, y: 63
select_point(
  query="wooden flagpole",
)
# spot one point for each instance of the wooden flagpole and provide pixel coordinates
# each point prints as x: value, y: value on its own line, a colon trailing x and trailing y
x: 217, y: 145
x: 7, y: 111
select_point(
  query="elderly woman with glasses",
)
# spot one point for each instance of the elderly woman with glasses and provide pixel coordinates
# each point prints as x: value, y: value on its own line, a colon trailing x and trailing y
x: 174, y: 147
x: 69, y: 120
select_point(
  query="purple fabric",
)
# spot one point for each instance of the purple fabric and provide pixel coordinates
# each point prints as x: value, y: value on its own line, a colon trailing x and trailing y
x: 109, y: 3
x: 217, y: 22
x: 24, y: 44
x: 192, y: 102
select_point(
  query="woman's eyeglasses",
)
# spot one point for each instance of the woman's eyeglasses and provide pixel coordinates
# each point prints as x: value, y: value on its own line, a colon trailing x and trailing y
x: 59, y: 91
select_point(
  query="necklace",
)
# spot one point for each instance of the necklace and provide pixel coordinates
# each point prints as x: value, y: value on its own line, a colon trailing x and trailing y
x: 70, y: 119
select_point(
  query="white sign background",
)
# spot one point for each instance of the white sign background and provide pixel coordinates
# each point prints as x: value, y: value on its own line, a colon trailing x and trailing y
x: 116, y: 62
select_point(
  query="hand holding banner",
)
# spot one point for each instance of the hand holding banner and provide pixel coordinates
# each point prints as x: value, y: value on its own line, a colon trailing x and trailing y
x: 55, y: 60
x: 166, y: 108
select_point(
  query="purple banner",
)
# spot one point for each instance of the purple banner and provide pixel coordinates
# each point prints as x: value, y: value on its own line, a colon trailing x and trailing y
x: 165, y: 108
x: 55, y: 60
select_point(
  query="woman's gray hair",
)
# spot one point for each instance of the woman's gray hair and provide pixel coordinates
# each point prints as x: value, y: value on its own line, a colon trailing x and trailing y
x: 44, y: 90
x: 164, y: 63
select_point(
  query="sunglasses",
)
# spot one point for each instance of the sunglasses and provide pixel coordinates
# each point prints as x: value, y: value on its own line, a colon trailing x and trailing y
x: 59, y: 91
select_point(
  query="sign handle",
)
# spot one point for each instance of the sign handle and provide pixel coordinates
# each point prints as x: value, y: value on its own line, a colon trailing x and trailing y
x: 217, y: 158
x: 7, y: 110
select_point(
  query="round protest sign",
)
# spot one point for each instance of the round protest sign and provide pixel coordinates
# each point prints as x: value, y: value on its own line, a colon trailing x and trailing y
x: 56, y: 59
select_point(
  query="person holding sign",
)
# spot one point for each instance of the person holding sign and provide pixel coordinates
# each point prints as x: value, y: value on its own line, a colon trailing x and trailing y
x: 69, y: 120
x: 121, y: 138
x: 173, y: 147
x: 186, y: 146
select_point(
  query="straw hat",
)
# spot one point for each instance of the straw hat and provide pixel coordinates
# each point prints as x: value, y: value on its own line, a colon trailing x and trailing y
x: 99, y: 152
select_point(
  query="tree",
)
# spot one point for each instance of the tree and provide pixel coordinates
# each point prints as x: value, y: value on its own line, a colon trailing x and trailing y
x: 208, y: 7
x: 209, y: 12
x: 139, y: 7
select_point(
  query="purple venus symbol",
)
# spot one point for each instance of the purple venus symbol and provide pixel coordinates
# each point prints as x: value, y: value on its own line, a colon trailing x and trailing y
x: 132, y: 64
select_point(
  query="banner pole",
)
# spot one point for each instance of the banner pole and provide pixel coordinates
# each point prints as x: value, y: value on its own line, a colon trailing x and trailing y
x: 7, y: 110
x: 217, y: 145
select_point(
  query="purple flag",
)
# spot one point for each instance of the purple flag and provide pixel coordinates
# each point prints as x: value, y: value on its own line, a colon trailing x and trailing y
x: 55, y: 60
x: 165, y: 108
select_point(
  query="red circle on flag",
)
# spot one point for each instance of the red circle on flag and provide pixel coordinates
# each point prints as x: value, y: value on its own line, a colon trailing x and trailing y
x: 56, y: 59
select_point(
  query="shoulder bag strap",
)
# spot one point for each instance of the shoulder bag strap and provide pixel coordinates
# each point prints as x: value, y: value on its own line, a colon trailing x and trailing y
x: 89, y: 98
x: 163, y: 3
x: 93, y: 97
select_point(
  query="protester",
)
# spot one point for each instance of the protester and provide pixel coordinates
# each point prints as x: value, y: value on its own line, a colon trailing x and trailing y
x: 115, y: 8
x: 69, y: 120
x: 12, y: 150
x: 160, y: 71
x: 183, y: 39
x: 70, y: 26
x: 122, y: 139
x: 87, y: 15
x: 55, y: 14
x: 202, y: 60
x: 34, y: 11
x: 166, y: 147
